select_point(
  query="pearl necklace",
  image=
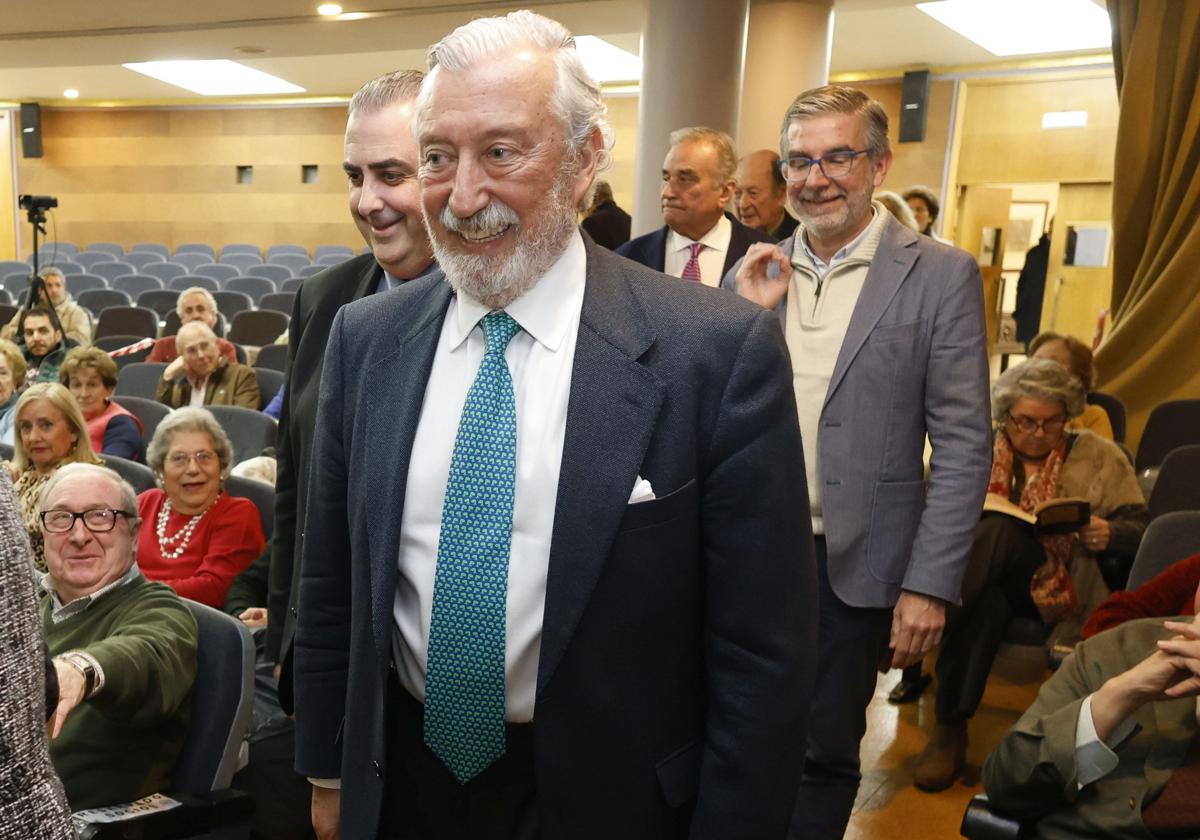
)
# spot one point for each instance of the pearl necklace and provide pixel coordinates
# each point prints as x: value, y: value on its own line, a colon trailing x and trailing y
x: 183, y: 536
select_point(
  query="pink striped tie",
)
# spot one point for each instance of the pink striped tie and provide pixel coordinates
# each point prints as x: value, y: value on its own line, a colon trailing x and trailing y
x: 691, y: 271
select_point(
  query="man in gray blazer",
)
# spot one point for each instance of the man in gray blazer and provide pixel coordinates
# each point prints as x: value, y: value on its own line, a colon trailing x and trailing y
x: 886, y: 334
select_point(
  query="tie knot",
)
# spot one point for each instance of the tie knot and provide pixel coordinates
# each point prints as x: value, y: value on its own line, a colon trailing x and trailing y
x: 696, y: 247
x: 498, y: 329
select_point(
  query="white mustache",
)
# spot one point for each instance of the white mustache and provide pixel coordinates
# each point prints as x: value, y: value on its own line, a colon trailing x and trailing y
x: 489, y: 221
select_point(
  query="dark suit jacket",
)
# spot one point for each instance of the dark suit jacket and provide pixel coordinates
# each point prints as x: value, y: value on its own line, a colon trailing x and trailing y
x: 678, y: 635
x: 650, y: 249
x: 787, y: 226
x: 228, y: 385
x: 608, y: 226
x: 1032, y: 774
x: 317, y: 301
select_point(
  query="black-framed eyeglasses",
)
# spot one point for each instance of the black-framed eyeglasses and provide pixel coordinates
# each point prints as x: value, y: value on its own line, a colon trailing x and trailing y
x: 832, y: 165
x: 1028, y: 425
x: 96, y: 520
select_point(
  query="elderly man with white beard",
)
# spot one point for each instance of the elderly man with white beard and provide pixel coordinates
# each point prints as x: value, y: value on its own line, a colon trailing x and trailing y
x: 558, y: 580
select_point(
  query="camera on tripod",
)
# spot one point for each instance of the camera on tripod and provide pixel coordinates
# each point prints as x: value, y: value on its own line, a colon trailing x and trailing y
x: 37, y: 203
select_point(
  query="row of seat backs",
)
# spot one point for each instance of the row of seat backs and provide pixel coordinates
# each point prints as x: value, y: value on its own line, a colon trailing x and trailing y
x: 255, y: 327
x: 60, y: 248
x: 140, y: 380
x: 126, y: 279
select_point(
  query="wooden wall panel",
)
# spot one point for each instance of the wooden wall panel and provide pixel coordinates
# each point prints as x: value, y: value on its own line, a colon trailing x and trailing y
x: 1003, y: 139
x: 915, y: 163
x: 622, y: 114
x: 8, y: 193
x: 1075, y: 296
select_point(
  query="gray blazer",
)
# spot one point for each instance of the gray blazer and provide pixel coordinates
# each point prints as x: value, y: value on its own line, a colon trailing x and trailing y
x: 914, y: 362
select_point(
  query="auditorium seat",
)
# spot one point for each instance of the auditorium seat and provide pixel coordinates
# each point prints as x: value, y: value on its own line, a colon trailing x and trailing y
x: 287, y: 248
x: 269, y: 382
x: 162, y: 301
x: 1114, y: 408
x: 293, y: 261
x: 193, y: 261
x: 15, y: 283
x: 141, y: 259
x: 7, y: 312
x: 342, y: 252
x: 1168, y: 539
x: 187, y: 281
x: 249, y: 431
x: 278, y: 301
x: 109, y: 343
x: 165, y: 271
x: 221, y: 273
x: 90, y: 258
x: 259, y: 492
x: 77, y: 284
x: 5, y: 297
x: 197, y: 248
x: 151, y: 248
x: 272, y: 357
x: 257, y: 328
x: 275, y: 273
x: 310, y: 270
x: 134, y: 284
x: 230, y: 303
x: 127, y: 320
x: 241, y: 248
x: 140, y: 477
x: 112, y: 248
x: 149, y: 412
x: 97, y: 300
x: 67, y: 267
x: 111, y: 270
x: 139, y: 380
x: 8, y: 267
x: 59, y: 247
x: 240, y: 261
x: 256, y: 287
x: 292, y: 284
x: 1177, y: 486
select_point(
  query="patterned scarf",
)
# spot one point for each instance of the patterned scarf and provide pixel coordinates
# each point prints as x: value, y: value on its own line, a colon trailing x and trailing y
x: 1051, y: 588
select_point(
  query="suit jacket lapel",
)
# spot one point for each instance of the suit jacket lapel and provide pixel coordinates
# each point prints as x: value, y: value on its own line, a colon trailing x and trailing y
x: 613, y: 406
x: 394, y: 407
x: 894, y: 258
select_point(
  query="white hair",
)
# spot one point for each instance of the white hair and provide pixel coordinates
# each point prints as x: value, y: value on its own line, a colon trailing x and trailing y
x: 576, y: 98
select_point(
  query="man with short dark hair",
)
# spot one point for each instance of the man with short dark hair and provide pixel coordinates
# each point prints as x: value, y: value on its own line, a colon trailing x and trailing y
x: 887, y: 340
x: 761, y: 195
x: 381, y: 170
x: 700, y: 241
x: 44, y: 349
x: 555, y: 584
x: 124, y: 648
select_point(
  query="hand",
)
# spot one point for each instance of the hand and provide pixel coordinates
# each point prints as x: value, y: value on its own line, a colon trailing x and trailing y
x: 1095, y: 535
x: 917, y: 623
x: 326, y: 806
x: 754, y: 279
x: 172, y: 370
x: 254, y: 617
x: 71, y: 685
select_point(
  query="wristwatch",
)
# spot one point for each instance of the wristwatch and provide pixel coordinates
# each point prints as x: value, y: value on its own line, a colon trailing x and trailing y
x: 85, y: 667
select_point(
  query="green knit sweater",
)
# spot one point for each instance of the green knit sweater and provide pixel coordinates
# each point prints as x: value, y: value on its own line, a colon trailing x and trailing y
x: 120, y: 745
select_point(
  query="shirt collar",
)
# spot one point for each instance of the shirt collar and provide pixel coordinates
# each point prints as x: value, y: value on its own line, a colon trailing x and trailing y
x: 61, y: 612
x: 391, y: 281
x: 544, y: 311
x: 717, y: 238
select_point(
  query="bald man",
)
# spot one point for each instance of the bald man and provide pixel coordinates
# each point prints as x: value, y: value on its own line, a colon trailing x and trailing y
x: 761, y: 195
x: 205, y: 377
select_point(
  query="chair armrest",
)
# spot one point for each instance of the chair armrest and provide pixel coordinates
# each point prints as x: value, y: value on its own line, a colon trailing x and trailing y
x: 980, y: 822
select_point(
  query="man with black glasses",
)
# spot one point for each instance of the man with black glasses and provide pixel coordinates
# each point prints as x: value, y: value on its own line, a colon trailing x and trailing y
x: 124, y: 649
x: 886, y: 334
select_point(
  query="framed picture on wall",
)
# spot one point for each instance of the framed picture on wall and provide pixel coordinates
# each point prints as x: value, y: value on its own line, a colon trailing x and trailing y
x: 989, y: 246
x: 1026, y: 224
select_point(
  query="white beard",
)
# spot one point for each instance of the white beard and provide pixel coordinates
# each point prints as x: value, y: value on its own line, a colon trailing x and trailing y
x: 496, y: 281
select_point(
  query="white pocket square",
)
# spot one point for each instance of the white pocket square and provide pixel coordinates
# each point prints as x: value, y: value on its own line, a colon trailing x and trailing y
x: 642, y: 491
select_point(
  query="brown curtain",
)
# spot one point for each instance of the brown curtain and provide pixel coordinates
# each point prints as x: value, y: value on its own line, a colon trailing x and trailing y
x: 1152, y: 353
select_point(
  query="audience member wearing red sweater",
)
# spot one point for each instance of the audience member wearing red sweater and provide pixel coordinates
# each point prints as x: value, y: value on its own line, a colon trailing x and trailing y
x: 1172, y: 592
x: 195, y: 537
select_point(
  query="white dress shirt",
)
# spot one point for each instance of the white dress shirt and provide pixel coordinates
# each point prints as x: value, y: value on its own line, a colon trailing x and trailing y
x: 196, y: 399
x: 711, y: 259
x: 540, y: 359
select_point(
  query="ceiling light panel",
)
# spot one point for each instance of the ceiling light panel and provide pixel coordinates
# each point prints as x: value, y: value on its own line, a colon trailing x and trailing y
x: 214, y: 78
x: 1025, y: 27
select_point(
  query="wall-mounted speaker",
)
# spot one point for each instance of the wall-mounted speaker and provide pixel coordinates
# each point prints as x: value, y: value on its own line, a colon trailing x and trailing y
x: 31, y: 130
x: 913, y: 106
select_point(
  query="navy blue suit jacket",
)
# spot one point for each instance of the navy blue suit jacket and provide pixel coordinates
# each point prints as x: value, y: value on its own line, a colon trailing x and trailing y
x: 678, y: 644
x: 650, y: 249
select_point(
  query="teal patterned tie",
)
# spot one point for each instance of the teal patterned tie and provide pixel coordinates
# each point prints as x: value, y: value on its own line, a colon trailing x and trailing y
x: 464, y: 679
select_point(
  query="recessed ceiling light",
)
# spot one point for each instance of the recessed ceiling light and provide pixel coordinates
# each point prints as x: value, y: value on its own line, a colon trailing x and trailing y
x: 1064, y: 119
x: 329, y: 9
x: 606, y: 62
x: 1022, y: 27
x: 71, y: 93
x: 214, y: 78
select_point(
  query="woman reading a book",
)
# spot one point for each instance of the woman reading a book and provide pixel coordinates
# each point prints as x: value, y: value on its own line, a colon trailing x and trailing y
x: 1056, y: 499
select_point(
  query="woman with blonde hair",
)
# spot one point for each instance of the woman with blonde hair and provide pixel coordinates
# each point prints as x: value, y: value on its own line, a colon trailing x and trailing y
x: 50, y: 432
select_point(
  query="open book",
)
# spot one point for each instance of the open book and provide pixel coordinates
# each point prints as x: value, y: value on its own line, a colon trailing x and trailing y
x: 1055, y: 516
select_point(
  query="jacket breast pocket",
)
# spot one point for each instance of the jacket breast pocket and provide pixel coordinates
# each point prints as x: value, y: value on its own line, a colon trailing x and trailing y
x: 895, y: 515
x: 888, y: 333
x: 660, y: 510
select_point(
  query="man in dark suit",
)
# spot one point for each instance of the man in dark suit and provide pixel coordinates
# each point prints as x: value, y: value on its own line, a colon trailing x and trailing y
x: 886, y: 334
x: 558, y: 578
x: 381, y: 165
x: 699, y: 241
x: 606, y: 223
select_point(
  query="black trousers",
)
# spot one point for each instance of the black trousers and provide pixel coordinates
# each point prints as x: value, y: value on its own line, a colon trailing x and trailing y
x: 425, y: 802
x: 850, y: 643
x: 1004, y: 555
